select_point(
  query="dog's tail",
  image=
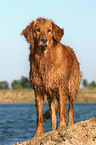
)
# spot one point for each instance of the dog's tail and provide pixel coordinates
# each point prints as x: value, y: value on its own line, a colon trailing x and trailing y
x: 47, y: 114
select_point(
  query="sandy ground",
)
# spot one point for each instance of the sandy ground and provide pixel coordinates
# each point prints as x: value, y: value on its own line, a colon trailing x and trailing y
x: 81, y: 133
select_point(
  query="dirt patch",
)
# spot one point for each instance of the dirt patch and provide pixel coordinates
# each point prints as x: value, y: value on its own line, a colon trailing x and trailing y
x: 81, y: 133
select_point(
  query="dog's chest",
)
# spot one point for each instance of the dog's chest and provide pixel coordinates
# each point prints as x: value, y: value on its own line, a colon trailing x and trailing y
x: 50, y: 71
x: 46, y: 68
x: 46, y: 65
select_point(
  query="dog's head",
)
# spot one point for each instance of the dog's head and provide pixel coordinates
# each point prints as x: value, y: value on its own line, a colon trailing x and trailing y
x: 42, y: 32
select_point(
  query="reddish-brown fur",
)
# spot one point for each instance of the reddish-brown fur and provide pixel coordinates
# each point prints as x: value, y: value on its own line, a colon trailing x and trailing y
x: 54, y: 71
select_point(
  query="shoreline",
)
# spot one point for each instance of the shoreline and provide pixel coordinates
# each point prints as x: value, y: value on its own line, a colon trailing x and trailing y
x: 44, y: 103
x: 26, y: 96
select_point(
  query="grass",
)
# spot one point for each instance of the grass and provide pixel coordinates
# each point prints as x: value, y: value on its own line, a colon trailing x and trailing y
x: 17, y: 96
x: 87, y: 95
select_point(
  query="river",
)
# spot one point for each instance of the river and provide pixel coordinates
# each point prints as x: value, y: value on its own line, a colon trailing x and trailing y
x: 18, y: 121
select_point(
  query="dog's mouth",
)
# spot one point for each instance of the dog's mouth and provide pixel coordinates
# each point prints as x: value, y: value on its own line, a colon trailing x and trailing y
x: 43, y: 43
x: 43, y: 46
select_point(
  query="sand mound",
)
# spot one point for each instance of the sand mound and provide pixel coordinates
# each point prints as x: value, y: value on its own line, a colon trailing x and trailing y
x: 81, y: 133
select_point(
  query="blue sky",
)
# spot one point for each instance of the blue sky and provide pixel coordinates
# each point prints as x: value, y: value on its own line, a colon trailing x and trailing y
x: 77, y: 17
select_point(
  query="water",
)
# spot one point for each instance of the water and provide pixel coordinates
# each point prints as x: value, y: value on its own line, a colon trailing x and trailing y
x: 18, y: 121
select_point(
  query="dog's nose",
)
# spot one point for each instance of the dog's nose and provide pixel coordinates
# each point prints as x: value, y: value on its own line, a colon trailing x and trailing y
x: 44, y: 39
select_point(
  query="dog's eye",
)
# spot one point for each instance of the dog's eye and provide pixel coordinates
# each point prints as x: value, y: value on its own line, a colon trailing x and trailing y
x: 38, y: 29
x: 49, y: 30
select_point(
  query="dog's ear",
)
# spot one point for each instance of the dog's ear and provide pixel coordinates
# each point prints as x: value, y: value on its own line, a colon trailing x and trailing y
x: 57, y: 32
x: 28, y: 32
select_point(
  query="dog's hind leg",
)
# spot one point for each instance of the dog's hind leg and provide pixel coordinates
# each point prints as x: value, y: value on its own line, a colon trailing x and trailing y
x: 63, y: 96
x: 71, y: 110
x: 53, y: 110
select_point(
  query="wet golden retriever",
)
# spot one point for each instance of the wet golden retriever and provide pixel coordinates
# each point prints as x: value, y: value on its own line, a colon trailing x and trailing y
x: 54, y: 71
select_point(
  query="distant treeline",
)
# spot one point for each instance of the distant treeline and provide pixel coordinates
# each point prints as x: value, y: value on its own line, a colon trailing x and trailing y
x: 16, y: 84
x: 25, y: 83
x: 86, y: 84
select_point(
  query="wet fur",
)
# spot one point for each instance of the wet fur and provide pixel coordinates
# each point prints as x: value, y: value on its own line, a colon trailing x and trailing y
x: 54, y: 71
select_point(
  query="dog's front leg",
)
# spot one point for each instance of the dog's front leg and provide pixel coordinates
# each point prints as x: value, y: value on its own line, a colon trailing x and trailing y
x: 53, y: 110
x: 39, y: 105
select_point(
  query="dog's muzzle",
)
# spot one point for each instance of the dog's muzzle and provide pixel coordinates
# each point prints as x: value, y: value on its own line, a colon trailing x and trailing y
x: 44, y: 41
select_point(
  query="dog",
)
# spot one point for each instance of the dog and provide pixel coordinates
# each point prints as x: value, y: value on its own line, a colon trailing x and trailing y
x: 54, y: 71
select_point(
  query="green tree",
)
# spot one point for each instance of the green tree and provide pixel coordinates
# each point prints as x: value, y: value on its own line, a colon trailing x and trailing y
x: 25, y: 82
x: 92, y: 84
x: 85, y: 83
x: 16, y: 85
x: 4, y: 85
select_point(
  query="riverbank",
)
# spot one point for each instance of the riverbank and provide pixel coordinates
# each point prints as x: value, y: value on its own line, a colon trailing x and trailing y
x: 27, y: 96
x: 81, y: 133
